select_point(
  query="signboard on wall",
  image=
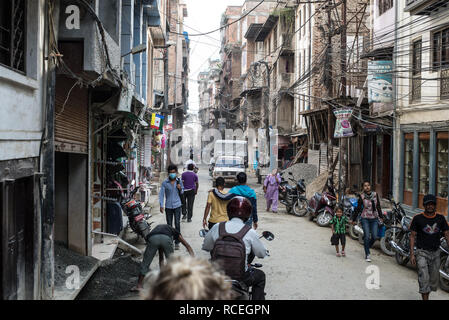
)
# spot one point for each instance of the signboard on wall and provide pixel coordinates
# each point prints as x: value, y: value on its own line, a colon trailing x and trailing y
x: 380, y: 81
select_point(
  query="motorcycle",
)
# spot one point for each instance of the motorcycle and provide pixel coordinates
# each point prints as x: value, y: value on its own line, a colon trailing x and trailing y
x: 402, y: 245
x: 444, y: 265
x: 293, y: 197
x: 134, y: 211
x: 242, y: 291
x: 393, y: 229
x: 349, y: 206
x: 321, y: 206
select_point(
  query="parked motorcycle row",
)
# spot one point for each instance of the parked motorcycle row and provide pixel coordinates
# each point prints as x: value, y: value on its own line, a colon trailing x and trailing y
x: 394, y: 228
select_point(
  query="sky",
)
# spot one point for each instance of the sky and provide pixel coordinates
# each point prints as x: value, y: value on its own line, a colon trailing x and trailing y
x: 203, y: 16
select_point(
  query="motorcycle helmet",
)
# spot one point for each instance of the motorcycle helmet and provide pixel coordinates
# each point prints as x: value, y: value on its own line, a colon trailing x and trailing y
x: 239, y: 207
x: 430, y: 198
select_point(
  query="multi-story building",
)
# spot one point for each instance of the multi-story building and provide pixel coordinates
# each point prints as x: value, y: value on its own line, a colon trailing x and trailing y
x: 228, y: 95
x: 81, y: 132
x: 23, y: 80
x: 208, y: 82
x: 421, y: 138
x: 331, y: 75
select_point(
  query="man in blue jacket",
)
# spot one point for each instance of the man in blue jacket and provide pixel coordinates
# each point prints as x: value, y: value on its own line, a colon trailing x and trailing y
x: 242, y: 189
x: 172, y: 190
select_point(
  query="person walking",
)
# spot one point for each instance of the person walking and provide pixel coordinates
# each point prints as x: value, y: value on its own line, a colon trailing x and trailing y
x: 216, y: 207
x: 243, y: 190
x: 191, y: 186
x: 160, y: 239
x: 370, y: 211
x: 338, y: 224
x: 271, y: 190
x: 428, y: 228
x: 172, y: 190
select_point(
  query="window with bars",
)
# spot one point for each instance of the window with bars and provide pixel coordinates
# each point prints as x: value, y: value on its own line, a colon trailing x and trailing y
x: 440, y: 50
x: 440, y: 55
x: 384, y: 6
x: 13, y: 34
x: 416, y: 70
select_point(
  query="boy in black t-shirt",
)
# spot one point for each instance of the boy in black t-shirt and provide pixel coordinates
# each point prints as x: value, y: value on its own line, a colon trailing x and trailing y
x: 428, y: 228
x: 160, y: 239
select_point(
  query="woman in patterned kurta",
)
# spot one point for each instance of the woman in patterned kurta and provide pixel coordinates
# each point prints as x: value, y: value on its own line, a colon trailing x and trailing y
x: 271, y: 189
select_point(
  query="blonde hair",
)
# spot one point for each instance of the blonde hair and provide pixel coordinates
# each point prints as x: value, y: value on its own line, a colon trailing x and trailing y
x: 187, y: 278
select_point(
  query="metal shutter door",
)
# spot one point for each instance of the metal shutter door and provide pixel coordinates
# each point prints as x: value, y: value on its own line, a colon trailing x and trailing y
x: 71, y: 120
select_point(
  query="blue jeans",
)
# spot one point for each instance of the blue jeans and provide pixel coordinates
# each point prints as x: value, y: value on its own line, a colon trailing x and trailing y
x: 370, y: 228
x: 176, y: 213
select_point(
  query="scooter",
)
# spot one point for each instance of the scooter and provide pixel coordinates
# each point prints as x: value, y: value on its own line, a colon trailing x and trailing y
x: 321, y: 206
x: 293, y: 198
x: 241, y: 290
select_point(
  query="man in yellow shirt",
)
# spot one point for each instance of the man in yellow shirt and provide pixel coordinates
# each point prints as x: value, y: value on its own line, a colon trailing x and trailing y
x: 216, y: 207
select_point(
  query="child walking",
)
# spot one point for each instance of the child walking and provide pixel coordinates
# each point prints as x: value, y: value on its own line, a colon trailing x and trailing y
x: 338, y: 224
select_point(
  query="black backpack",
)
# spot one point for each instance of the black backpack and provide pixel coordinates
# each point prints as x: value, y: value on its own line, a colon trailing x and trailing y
x: 230, y: 251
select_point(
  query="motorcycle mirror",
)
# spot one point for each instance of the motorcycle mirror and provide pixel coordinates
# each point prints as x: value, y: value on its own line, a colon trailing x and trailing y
x: 268, y: 235
x: 203, y: 233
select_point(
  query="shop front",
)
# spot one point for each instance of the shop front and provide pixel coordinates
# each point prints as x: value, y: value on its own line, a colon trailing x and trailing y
x: 424, y: 169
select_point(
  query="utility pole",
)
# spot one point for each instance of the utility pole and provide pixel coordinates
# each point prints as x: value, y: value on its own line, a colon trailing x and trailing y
x: 163, y: 163
x: 343, y: 141
x: 267, y: 109
x: 329, y: 85
x: 48, y: 160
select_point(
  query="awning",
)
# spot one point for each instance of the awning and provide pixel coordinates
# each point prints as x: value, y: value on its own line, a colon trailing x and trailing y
x: 313, y: 111
x: 380, y: 53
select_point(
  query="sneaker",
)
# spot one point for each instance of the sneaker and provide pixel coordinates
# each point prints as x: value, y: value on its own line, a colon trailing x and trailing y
x: 368, y: 258
x: 190, y: 220
x: 184, y: 218
x: 176, y: 246
x: 343, y: 254
x: 338, y: 255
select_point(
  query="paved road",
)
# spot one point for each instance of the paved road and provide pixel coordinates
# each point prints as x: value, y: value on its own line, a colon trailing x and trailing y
x: 303, y: 264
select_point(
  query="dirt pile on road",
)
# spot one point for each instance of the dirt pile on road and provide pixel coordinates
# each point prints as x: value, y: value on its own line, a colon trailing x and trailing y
x: 113, y: 280
x: 305, y: 171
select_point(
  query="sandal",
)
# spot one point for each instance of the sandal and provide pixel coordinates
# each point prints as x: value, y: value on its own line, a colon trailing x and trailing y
x: 343, y: 254
x: 338, y: 255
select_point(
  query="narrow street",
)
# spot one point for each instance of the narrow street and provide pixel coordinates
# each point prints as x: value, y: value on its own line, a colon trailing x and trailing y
x: 302, y: 263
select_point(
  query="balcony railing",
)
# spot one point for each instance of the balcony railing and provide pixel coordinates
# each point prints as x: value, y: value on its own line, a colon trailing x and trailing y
x: 424, y: 7
x: 287, y: 43
x: 284, y: 81
x: 444, y: 84
x: 416, y: 89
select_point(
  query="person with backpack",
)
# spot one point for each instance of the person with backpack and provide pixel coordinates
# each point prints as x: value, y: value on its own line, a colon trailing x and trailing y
x: 172, y: 190
x: 234, y: 244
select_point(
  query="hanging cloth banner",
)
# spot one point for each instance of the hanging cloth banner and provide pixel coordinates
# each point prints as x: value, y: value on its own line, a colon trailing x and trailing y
x: 343, y: 127
x: 157, y: 121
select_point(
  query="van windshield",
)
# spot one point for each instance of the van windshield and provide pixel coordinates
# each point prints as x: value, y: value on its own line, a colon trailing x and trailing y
x: 232, y: 163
